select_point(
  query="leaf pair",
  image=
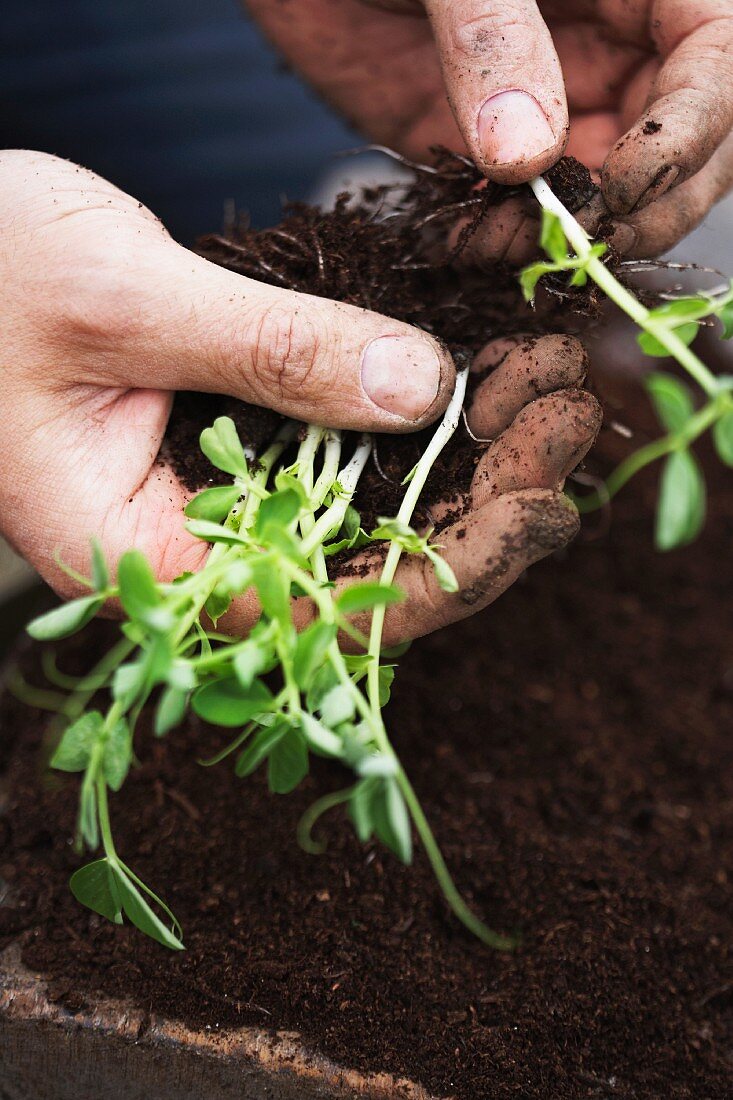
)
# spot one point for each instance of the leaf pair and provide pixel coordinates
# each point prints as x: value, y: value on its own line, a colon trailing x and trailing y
x: 682, y: 317
x: 682, y: 495
x: 109, y: 888
x: 89, y: 740
x: 555, y: 244
x: 377, y: 806
x: 408, y: 539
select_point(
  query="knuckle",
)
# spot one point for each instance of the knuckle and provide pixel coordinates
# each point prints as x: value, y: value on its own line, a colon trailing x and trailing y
x: 289, y: 352
x: 100, y: 305
x: 473, y: 32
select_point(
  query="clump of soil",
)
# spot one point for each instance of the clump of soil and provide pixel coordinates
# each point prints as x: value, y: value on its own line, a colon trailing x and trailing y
x: 382, y: 251
x: 572, y: 748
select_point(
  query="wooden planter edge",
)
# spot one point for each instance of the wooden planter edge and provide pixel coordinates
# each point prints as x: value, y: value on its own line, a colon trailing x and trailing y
x: 49, y: 1053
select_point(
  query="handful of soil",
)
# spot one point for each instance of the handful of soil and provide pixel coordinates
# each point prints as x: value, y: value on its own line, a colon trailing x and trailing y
x: 383, y: 251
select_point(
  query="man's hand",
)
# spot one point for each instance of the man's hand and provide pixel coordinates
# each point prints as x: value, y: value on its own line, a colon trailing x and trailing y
x: 645, y: 86
x: 104, y: 316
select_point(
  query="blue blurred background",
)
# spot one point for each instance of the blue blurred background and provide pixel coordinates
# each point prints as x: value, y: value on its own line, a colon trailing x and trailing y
x: 179, y: 102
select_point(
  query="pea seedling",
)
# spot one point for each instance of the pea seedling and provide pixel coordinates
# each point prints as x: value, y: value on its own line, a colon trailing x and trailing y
x: 667, y: 331
x: 272, y: 529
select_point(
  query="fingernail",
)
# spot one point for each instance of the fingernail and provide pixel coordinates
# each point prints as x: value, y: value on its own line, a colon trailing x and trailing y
x: 665, y: 179
x: 622, y: 237
x: 401, y: 374
x: 513, y: 127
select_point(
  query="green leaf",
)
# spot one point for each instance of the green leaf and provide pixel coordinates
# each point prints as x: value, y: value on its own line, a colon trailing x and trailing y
x: 672, y: 400
x: 392, y: 820
x: 386, y: 676
x: 651, y: 346
x: 75, y: 747
x: 351, y: 523
x: 213, y: 504
x: 139, y: 912
x: 129, y: 681
x: 552, y: 237
x: 217, y: 604
x: 287, y: 764
x: 65, y: 620
x: 325, y: 679
x: 278, y: 510
x: 444, y: 575
x: 681, y: 505
x: 319, y: 737
x: 88, y: 824
x: 726, y: 316
x: 530, y: 276
x: 182, y: 675
x: 723, y: 438
x: 360, y: 809
x: 227, y: 703
x: 214, y: 532
x: 95, y: 887
x: 252, y: 659
x: 378, y: 764
x: 260, y: 746
x: 223, y: 449
x: 337, y: 706
x: 139, y: 593
x: 100, y: 573
x: 117, y: 754
x: 170, y: 710
x: 363, y: 597
x: 273, y: 589
x: 310, y: 652
x: 682, y: 311
x: 393, y: 529
x: 286, y: 480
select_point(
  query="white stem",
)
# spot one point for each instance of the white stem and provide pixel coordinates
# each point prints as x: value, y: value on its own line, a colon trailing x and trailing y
x: 445, y: 430
x: 623, y: 298
x: 329, y: 473
x: 348, y: 479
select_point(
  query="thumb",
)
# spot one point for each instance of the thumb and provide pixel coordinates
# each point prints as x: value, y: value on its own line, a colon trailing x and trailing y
x: 208, y: 329
x: 504, y: 83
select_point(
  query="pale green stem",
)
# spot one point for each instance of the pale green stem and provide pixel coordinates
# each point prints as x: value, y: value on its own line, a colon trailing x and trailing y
x: 420, y: 475
x: 348, y: 479
x: 329, y: 472
x: 104, y: 822
x: 696, y: 426
x: 622, y: 297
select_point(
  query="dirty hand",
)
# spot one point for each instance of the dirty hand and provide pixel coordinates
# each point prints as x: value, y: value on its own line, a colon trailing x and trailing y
x: 648, y: 85
x: 104, y: 316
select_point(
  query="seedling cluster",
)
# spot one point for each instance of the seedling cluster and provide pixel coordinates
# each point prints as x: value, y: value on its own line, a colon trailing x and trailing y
x: 666, y: 332
x: 287, y: 695
x: 274, y: 526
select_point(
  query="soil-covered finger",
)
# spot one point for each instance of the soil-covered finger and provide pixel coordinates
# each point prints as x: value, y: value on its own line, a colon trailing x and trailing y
x: 536, y: 367
x: 487, y: 549
x: 509, y: 233
x: 689, y: 114
x: 654, y: 230
x: 544, y: 443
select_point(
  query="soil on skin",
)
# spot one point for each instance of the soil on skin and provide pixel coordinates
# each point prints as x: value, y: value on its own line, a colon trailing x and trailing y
x: 572, y: 748
x: 383, y: 252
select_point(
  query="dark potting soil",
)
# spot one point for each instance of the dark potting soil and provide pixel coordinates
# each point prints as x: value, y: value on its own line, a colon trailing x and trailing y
x: 572, y: 748
x: 382, y: 251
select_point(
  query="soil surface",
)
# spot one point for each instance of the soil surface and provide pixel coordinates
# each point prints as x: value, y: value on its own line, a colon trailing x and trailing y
x: 572, y: 747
